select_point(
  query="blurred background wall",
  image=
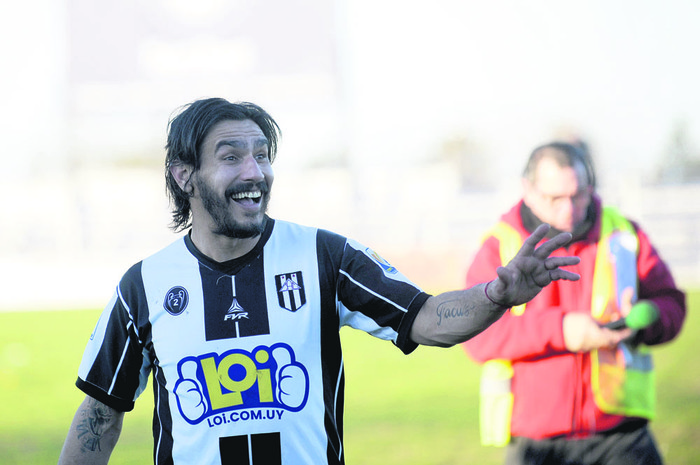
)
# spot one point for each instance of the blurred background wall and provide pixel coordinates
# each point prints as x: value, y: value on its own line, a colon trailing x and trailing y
x: 405, y: 126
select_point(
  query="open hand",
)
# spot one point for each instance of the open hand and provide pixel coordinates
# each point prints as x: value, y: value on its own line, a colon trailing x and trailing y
x: 531, y: 269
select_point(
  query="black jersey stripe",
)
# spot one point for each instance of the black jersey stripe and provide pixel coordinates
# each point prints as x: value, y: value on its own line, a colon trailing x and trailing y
x: 121, y: 361
x: 376, y: 294
x: 162, y: 421
x: 329, y: 248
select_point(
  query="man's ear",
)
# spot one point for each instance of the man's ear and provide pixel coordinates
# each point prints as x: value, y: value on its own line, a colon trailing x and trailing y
x: 527, y: 190
x: 182, y: 174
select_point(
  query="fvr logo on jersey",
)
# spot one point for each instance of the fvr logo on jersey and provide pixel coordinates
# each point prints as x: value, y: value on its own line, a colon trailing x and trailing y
x: 266, y: 377
x: 235, y: 312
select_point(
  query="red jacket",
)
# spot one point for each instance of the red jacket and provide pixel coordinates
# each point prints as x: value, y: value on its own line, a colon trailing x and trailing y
x: 551, y: 386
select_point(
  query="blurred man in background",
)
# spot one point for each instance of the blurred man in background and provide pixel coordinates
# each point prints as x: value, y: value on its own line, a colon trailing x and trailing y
x: 557, y: 385
x: 238, y: 320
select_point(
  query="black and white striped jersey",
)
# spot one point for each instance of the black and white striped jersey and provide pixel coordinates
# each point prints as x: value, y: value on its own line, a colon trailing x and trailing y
x: 245, y: 355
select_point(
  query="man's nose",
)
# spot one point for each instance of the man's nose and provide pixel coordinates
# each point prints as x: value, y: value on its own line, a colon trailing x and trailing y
x: 251, y: 170
x: 567, y: 208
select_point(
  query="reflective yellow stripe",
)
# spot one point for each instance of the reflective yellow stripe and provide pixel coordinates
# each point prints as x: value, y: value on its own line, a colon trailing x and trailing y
x: 603, y: 280
x: 495, y: 403
x: 622, y: 379
x: 509, y: 245
x: 495, y: 396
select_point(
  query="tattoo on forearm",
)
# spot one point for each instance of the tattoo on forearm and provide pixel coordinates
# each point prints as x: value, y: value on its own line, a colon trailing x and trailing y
x: 96, y: 419
x: 453, y: 309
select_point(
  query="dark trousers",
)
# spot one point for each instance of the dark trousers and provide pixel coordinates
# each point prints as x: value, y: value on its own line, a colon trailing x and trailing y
x: 635, y: 447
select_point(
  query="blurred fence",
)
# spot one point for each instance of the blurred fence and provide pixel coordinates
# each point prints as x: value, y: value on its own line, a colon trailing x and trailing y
x: 671, y: 217
x: 444, y: 243
x: 68, y: 238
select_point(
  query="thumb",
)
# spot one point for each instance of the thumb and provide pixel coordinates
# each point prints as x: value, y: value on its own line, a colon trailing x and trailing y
x: 505, y: 279
x: 282, y: 356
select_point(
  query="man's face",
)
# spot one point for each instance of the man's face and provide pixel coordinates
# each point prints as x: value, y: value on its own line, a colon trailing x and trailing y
x: 232, y: 185
x: 559, y: 195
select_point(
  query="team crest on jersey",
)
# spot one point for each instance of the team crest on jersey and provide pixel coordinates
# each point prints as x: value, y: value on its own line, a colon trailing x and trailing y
x: 290, y: 290
x: 381, y: 262
x: 176, y: 300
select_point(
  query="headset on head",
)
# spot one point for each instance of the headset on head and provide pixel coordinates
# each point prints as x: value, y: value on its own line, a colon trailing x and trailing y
x: 577, y: 151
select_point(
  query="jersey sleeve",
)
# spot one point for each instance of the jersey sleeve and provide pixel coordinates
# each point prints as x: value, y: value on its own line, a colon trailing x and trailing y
x: 115, y: 367
x: 375, y: 297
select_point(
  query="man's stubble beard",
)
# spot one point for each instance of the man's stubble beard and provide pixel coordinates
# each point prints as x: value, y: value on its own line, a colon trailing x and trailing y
x: 220, y: 210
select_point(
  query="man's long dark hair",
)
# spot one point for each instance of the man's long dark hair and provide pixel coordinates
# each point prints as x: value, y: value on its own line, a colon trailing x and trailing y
x: 186, y: 132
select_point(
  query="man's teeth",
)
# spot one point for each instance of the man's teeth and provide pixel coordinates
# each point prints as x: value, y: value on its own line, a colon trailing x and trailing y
x: 247, y: 195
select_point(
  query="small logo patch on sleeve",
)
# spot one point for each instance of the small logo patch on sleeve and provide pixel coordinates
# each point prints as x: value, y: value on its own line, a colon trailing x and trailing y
x: 386, y: 266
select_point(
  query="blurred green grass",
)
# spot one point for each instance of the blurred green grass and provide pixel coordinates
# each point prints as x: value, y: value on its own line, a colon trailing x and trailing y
x: 417, y: 409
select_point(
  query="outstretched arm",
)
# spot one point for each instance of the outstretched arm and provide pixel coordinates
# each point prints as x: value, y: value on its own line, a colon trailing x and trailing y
x: 454, y: 317
x: 93, y: 434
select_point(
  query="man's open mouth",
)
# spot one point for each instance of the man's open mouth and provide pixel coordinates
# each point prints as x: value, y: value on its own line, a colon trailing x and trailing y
x: 249, y: 196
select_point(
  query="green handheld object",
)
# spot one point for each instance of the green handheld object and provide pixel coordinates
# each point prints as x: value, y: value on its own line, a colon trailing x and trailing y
x: 641, y: 315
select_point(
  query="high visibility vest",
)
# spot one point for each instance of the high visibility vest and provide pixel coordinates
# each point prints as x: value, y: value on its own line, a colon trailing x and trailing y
x: 622, y: 379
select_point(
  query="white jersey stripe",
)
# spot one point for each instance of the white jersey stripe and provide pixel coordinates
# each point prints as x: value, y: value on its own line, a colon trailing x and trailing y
x: 335, y: 404
x: 159, y: 435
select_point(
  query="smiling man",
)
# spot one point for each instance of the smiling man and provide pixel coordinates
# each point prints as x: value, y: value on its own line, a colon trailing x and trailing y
x: 238, y: 321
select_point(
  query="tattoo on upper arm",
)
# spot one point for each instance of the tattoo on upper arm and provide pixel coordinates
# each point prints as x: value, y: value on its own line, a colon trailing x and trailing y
x: 96, y: 418
x: 453, y: 309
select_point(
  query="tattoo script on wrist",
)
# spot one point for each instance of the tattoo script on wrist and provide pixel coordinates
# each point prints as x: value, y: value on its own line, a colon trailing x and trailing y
x: 452, y: 309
